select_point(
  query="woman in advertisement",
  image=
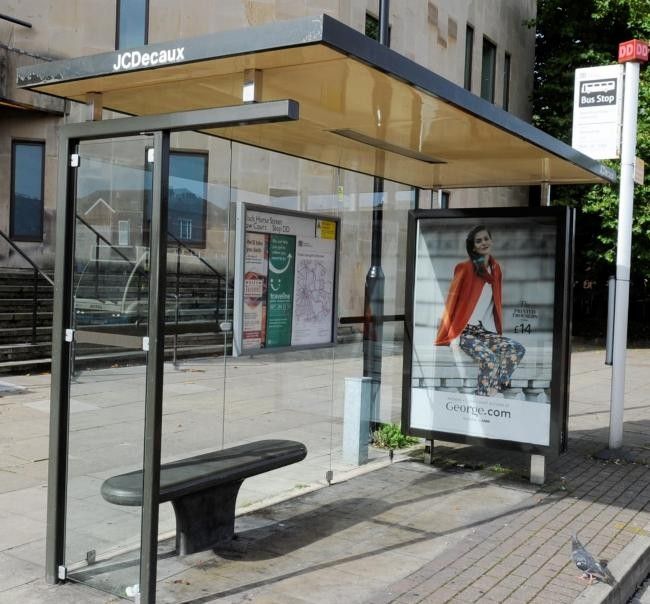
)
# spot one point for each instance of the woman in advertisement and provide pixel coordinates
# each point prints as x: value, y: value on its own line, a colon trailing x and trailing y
x: 473, y: 316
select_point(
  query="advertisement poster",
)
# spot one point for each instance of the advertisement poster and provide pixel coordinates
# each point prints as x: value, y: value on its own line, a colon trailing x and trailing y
x: 255, y: 283
x: 312, y: 309
x: 280, y: 290
x: 483, y: 324
x: 285, y: 279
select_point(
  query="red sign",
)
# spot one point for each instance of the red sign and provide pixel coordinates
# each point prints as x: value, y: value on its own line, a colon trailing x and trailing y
x: 634, y: 50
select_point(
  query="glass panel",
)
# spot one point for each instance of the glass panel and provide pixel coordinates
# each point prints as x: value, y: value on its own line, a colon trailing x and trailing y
x: 469, y: 52
x: 506, y: 81
x: 381, y: 396
x: 286, y: 390
x: 107, y: 392
x: 213, y: 400
x: 132, y: 26
x: 398, y: 200
x: 198, y: 301
x: 27, y: 193
x: 372, y: 27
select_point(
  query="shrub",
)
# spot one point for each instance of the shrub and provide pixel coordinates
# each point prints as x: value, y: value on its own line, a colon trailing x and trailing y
x: 390, y: 436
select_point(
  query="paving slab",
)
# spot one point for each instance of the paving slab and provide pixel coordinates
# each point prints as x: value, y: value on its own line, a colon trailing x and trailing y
x: 469, y: 528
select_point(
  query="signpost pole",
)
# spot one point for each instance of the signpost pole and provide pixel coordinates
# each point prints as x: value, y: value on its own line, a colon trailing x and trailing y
x: 632, y: 59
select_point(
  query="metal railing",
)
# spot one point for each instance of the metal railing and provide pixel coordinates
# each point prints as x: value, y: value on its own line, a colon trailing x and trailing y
x: 135, y: 267
x: 137, y: 270
x: 36, y: 272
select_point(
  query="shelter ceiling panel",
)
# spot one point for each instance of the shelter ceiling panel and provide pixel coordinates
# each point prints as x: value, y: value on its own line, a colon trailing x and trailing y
x: 363, y: 107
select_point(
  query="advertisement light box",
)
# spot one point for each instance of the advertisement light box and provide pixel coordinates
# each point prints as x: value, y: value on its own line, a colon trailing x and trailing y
x: 487, y: 326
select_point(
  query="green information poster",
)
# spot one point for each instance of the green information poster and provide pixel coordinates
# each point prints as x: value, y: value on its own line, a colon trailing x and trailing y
x: 282, y: 251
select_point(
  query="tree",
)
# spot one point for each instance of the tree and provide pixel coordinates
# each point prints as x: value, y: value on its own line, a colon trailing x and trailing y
x: 571, y: 35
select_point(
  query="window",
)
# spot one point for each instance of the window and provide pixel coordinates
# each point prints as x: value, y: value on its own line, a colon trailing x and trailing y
x: 188, y: 175
x: 443, y: 199
x: 187, y: 201
x: 469, y: 51
x: 132, y: 23
x: 26, y: 203
x: 372, y: 28
x: 488, y: 70
x: 123, y: 232
x: 506, y: 81
x: 184, y: 228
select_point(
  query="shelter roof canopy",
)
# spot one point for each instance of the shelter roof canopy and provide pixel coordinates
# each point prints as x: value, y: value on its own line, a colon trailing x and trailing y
x: 363, y: 107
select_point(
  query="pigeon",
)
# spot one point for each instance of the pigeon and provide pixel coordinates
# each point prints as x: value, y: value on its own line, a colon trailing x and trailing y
x: 591, y: 568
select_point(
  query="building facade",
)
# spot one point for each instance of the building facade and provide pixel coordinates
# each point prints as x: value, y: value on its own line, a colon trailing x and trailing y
x: 483, y: 45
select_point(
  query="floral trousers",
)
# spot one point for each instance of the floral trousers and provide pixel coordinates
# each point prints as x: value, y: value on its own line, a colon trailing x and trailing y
x: 497, y: 357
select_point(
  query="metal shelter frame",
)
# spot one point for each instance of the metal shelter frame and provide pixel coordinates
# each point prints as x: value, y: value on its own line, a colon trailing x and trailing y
x: 62, y: 336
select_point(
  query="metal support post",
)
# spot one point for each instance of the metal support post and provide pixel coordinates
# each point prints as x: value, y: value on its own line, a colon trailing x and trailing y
x: 623, y: 253
x: 373, y: 308
x: 373, y: 311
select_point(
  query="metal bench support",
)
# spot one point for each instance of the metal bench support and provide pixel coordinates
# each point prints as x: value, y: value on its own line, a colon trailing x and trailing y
x: 205, y: 519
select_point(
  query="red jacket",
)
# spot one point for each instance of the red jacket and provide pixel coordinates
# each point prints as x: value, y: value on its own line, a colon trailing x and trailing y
x: 464, y: 292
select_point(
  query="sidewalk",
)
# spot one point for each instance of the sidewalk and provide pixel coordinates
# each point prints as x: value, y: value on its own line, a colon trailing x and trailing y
x: 469, y: 528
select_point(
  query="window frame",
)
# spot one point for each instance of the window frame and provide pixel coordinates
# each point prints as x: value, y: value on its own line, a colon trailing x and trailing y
x: 118, y: 6
x: 469, y: 56
x: 487, y: 43
x: 12, y: 189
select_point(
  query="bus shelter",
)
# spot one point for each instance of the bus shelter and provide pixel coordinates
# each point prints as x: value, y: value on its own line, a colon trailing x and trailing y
x: 295, y: 122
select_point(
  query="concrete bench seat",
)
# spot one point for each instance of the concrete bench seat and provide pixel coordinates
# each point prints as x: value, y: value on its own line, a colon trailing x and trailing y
x: 203, y: 489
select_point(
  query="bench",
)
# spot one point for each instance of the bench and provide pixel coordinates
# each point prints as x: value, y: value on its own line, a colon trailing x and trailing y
x: 203, y: 489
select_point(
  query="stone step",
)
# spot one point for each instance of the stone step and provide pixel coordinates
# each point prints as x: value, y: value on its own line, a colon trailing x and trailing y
x: 24, y: 303
x: 23, y: 335
x: 44, y: 363
x: 22, y: 352
x: 202, y: 298
x: 23, y: 319
x: 25, y: 290
x: 15, y: 273
x: 187, y: 345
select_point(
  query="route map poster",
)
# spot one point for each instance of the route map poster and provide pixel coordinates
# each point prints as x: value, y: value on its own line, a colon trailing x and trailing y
x: 285, y: 279
x: 312, y: 308
x: 487, y: 321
